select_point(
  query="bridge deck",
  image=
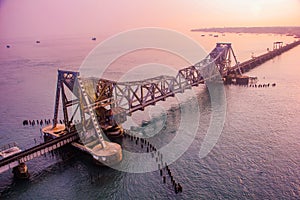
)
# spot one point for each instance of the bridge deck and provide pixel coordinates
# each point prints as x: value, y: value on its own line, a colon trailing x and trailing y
x: 256, y: 61
x: 36, y: 151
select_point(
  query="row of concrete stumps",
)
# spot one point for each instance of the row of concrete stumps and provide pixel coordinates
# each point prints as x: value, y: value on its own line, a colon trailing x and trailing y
x: 28, y: 122
x: 162, y: 166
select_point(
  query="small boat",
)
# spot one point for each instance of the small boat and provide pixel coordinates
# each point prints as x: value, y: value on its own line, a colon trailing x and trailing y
x: 37, y: 41
x: 94, y: 38
x: 202, y: 35
x: 216, y: 35
x: 9, y: 150
x: 7, y: 46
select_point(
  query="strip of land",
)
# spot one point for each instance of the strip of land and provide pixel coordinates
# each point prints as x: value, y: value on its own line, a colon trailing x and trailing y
x: 286, y: 30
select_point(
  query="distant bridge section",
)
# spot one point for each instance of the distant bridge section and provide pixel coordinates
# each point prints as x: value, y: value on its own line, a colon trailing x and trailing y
x: 278, y: 49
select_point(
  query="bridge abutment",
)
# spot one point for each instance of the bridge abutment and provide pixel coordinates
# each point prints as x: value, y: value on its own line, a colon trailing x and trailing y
x: 21, y: 171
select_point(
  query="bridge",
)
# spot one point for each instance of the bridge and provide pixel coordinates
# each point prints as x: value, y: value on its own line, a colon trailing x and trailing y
x: 95, y: 99
x: 36, y: 151
x: 278, y: 49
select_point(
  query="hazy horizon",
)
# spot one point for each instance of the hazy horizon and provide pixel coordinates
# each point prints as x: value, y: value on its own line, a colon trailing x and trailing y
x: 34, y: 18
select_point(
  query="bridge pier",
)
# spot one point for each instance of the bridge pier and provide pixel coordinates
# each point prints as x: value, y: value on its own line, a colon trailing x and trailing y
x: 21, y: 171
x: 236, y: 79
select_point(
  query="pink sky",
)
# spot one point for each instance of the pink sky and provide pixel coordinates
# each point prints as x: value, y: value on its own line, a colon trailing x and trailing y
x: 26, y: 18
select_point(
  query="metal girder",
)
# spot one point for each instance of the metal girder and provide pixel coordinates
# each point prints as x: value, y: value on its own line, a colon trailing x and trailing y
x: 65, y: 79
x: 136, y: 95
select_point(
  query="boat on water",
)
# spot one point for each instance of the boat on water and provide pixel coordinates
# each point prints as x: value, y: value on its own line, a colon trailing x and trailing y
x: 9, y: 150
x: 216, y: 35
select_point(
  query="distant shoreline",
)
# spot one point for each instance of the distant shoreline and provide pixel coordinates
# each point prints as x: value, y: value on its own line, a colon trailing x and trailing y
x: 291, y: 31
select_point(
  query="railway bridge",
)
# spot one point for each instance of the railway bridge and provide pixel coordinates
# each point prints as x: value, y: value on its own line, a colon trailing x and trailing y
x: 96, y: 100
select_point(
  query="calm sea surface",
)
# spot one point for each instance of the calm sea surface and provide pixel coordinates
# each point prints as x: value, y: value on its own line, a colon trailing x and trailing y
x: 256, y: 157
